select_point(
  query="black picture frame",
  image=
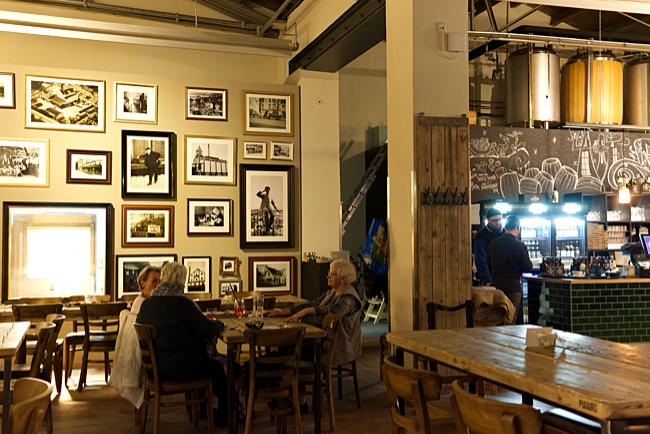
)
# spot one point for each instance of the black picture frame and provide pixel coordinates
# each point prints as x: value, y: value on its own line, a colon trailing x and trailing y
x: 255, y: 231
x: 136, y: 170
x: 142, y: 261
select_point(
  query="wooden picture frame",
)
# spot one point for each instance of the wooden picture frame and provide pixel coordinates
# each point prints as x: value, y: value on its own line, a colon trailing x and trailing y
x: 229, y: 266
x: 255, y: 150
x: 206, y: 104
x: 137, y: 103
x: 268, y: 113
x: 25, y: 162
x: 69, y: 104
x: 209, y: 217
x: 148, y: 164
x: 282, y: 151
x: 147, y: 226
x: 88, y: 167
x: 273, y: 275
x: 128, y: 267
x: 7, y: 90
x: 199, y: 274
x: 210, y: 160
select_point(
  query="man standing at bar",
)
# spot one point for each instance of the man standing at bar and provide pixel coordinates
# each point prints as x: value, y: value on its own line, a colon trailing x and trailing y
x: 507, y: 259
x: 486, y: 235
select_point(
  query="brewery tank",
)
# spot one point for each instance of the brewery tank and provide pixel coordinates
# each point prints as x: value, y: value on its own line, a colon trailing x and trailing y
x: 636, y: 77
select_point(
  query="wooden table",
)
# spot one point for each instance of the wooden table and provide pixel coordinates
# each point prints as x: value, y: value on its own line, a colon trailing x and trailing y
x: 603, y: 380
x: 233, y: 336
x: 12, y: 335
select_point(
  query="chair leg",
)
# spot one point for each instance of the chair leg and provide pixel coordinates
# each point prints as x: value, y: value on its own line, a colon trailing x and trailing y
x: 356, y: 383
x: 143, y: 412
x: 208, y: 404
x: 70, y: 350
x: 330, y: 401
x: 156, y: 413
x: 296, y: 406
x: 58, y: 369
x: 48, y: 416
x: 107, y: 367
x: 195, y: 407
x: 84, y: 371
x: 339, y: 381
x: 249, y: 410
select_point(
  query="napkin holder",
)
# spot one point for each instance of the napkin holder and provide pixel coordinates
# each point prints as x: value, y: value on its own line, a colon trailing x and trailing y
x: 541, y: 338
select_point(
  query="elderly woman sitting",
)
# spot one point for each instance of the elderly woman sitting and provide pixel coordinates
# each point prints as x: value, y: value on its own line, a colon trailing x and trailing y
x: 183, y: 333
x: 342, y: 299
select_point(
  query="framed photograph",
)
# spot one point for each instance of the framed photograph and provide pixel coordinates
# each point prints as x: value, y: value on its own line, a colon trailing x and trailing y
x: 148, y: 164
x: 229, y: 266
x: 255, y: 150
x: 272, y: 275
x: 54, y: 249
x: 129, y: 266
x: 7, y: 90
x: 207, y: 104
x: 210, y: 160
x: 281, y: 151
x: 268, y: 113
x: 24, y: 162
x: 55, y: 103
x: 199, y: 273
x: 147, y: 226
x: 136, y: 103
x: 229, y: 286
x: 88, y: 167
x: 209, y: 217
x: 266, y: 197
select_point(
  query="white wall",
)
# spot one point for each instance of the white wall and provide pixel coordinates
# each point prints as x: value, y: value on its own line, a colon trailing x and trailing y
x: 312, y: 17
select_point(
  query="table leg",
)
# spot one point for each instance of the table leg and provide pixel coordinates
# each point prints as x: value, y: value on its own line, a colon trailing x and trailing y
x: 317, y: 388
x: 233, y: 400
x: 6, y: 398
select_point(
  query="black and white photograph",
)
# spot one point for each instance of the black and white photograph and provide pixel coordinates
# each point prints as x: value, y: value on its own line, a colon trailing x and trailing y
x: 147, y: 226
x: 268, y: 113
x: 24, y: 162
x: 281, y: 151
x: 136, y: 103
x: 267, y: 197
x: 88, y: 167
x: 209, y: 217
x: 210, y: 160
x: 272, y: 275
x: 255, y: 150
x: 199, y: 273
x: 65, y: 104
x: 7, y: 90
x: 229, y: 266
x: 227, y: 287
x: 204, y: 103
x: 148, y: 164
x: 129, y: 267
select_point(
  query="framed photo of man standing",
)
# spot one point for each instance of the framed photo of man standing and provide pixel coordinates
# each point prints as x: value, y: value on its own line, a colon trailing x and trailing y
x: 148, y: 164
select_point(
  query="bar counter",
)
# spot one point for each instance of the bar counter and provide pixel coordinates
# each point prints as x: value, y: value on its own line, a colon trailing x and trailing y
x: 613, y: 309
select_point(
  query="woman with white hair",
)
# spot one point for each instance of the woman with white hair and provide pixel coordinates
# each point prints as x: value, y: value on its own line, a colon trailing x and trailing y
x: 341, y: 299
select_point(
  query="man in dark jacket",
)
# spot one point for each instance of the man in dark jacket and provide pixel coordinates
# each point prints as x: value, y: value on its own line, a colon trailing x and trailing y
x: 507, y: 258
x: 151, y: 161
x: 486, y: 235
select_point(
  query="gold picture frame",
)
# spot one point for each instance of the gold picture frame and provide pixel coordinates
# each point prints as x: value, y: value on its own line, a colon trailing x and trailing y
x: 268, y: 113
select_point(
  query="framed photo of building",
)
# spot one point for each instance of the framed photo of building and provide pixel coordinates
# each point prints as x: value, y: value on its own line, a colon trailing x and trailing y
x: 136, y: 103
x: 210, y: 160
x: 24, y: 162
x: 229, y: 266
x: 56, y: 103
x: 272, y: 275
x: 7, y: 90
x: 88, y: 167
x: 199, y: 274
x: 207, y: 104
x: 281, y: 151
x: 129, y: 267
x: 147, y: 226
x: 148, y: 164
x: 266, y: 197
x: 268, y: 113
x: 209, y: 217
x: 255, y: 150
x: 228, y: 287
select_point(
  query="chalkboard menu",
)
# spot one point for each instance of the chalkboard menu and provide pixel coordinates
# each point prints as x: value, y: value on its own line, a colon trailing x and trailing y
x: 506, y: 162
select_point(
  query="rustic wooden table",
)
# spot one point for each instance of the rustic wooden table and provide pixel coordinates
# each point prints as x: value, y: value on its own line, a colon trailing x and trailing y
x: 603, y: 380
x: 12, y: 335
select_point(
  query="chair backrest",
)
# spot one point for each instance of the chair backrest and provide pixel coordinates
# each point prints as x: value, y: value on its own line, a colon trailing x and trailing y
x: 76, y: 299
x: 45, y: 332
x: 103, y: 298
x: 102, y: 315
x: 199, y: 295
x: 129, y: 297
x: 269, y: 302
x: 415, y: 387
x: 30, y: 401
x: 40, y: 300
x: 57, y: 319
x: 35, y: 312
x: 147, y: 334
x: 432, y: 308
x: 332, y: 325
x: 485, y: 416
x: 274, y: 364
x: 206, y: 305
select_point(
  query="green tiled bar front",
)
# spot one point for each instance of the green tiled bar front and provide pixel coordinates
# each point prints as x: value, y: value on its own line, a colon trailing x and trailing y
x: 617, y: 310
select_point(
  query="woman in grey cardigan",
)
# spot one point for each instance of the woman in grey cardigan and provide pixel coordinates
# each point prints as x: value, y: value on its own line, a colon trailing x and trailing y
x: 341, y: 299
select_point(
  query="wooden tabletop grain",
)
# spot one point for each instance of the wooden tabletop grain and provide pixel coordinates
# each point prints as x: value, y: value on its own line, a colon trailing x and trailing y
x: 235, y: 327
x: 602, y: 379
x: 11, y: 337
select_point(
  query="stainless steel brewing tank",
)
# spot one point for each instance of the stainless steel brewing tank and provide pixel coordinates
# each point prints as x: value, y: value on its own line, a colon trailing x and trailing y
x: 636, y: 77
x: 533, y: 87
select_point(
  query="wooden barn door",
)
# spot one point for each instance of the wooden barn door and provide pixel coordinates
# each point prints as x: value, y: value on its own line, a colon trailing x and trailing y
x: 443, y: 249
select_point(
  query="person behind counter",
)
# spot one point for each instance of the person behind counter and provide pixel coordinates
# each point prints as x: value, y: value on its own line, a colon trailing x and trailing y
x: 484, y: 238
x: 507, y: 259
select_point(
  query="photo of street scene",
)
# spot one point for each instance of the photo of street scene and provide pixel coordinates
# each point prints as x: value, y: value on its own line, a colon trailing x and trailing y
x: 270, y: 112
x: 147, y: 224
x: 88, y: 167
x: 282, y: 151
x: 255, y: 150
x: 206, y: 104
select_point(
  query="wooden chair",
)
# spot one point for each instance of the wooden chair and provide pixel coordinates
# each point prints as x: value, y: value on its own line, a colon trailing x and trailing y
x: 99, y: 315
x: 147, y: 334
x: 415, y: 388
x: 57, y: 349
x: 206, y: 305
x: 348, y: 370
x: 103, y: 298
x: 40, y: 300
x: 76, y: 299
x: 35, y: 313
x: 199, y: 295
x: 128, y: 298
x: 332, y: 324
x: 274, y: 375
x: 31, y: 398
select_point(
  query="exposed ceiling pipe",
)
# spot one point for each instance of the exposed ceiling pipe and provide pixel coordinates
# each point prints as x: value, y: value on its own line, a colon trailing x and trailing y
x: 519, y: 18
x: 236, y: 10
x: 274, y: 17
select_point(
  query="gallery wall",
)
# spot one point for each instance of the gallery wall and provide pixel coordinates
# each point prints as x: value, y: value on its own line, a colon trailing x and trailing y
x: 171, y: 70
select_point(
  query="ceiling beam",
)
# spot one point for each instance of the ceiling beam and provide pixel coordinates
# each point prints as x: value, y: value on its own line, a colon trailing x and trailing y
x: 565, y: 15
x: 236, y: 10
x: 630, y: 6
x: 274, y: 17
x: 634, y: 20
